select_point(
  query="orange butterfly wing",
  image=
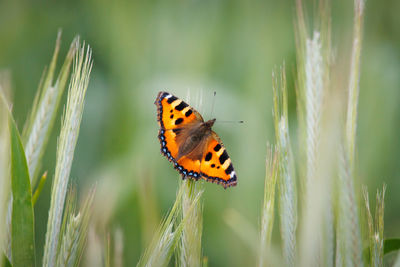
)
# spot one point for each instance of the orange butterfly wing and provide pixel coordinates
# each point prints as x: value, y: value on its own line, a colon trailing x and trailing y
x: 216, y: 165
x: 173, y: 114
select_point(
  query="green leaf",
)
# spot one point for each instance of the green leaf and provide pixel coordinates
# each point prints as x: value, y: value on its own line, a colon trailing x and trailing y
x: 6, y: 262
x: 40, y: 123
x: 39, y: 188
x: 390, y: 245
x: 22, y: 224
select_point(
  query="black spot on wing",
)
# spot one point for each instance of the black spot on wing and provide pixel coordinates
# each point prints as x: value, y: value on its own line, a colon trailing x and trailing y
x: 178, y: 121
x: 212, y: 165
x: 172, y: 116
x: 229, y: 170
x: 223, y: 157
x: 188, y: 113
x: 181, y: 106
x: 171, y: 99
x: 208, y: 156
x: 217, y: 147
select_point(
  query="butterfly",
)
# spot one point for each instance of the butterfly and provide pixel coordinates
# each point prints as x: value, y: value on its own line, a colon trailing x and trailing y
x: 188, y: 142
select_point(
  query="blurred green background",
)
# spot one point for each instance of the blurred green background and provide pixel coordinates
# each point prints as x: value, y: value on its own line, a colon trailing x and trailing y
x: 194, y: 48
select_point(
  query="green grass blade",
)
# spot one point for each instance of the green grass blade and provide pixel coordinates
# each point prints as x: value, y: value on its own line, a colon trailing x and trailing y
x: 314, y: 96
x: 390, y: 245
x: 22, y: 220
x: 6, y: 262
x: 166, y: 239
x: 44, y: 85
x: 190, y: 246
x: 65, y: 151
x: 286, y: 178
x: 41, y: 121
x: 38, y: 190
x: 351, y: 122
x: 375, y: 227
x: 74, y: 230
x: 4, y: 170
x: 267, y: 219
x: 348, y: 226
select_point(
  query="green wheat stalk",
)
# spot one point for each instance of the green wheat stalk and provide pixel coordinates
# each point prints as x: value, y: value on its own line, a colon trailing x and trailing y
x: 42, y: 117
x: 6, y: 175
x: 328, y: 236
x: 376, y: 226
x: 68, y: 219
x: 313, y: 100
x: 74, y: 230
x: 267, y: 219
x: 348, y: 231
x: 190, y: 251
x: 313, y: 79
x: 354, y: 81
x: 65, y: 150
x: 68, y: 250
x: 348, y: 226
x: 4, y: 169
x: 166, y: 238
x: 41, y: 120
x: 286, y: 180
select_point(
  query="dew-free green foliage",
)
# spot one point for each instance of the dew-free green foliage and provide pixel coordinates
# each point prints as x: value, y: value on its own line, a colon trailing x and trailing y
x: 4, y: 175
x: 44, y: 111
x: 267, y: 219
x: 169, y: 234
x: 19, y: 247
x: 5, y: 262
x: 74, y: 230
x: 22, y: 221
x: 286, y: 173
x: 190, y: 250
x: 375, y: 227
x: 65, y: 151
x: 41, y: 119
x: 39, y: 188
x: 391, y: 244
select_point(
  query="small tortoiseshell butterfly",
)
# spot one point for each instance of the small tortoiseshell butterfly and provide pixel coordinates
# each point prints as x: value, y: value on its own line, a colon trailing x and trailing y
x: 189, y: 143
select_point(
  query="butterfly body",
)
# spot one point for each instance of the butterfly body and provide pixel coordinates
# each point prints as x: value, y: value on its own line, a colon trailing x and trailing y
x: 192, y: 139
x: 190, y: 144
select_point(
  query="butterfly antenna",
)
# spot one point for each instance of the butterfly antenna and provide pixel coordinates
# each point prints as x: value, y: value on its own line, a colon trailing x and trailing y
x: 213, y: 104
x: 229, y: 121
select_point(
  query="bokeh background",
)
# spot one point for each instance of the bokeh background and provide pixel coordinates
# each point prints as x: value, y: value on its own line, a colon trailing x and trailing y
x: 192, y: 48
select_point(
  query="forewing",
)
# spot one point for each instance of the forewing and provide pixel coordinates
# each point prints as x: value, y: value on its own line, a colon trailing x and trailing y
x: 175, y: 118
x: 173, y: 112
